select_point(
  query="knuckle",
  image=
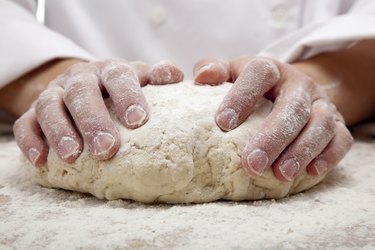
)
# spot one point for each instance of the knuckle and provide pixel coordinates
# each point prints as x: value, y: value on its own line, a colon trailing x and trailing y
x: 309, y: 85
x: 77, y: 86
x: 114, y: 60
x: 321, y: 92
x: 300, y: 108
x: 308, y: 81
x: 267, y: 67
x: 81, y: 79
x: 59, y: 81
x: 322, y: 104
x: 80, y: 73
x: 47, y: 98
x: 81, y: 67
x: 115, y: 70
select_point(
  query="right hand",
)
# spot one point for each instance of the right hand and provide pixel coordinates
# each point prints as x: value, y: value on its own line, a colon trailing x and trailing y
x: 73, y: 107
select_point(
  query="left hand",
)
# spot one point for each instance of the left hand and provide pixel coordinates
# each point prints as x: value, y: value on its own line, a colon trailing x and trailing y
x: 304, y: 129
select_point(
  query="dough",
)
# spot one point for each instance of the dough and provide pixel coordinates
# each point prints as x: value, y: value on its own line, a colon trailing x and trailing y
x: 179, y: 156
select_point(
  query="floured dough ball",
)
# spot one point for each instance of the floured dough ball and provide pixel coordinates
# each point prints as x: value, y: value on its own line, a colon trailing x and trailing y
x: 178, y: 156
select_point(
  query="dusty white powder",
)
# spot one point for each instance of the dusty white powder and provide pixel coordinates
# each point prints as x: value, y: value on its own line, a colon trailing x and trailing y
x: 337, y: 214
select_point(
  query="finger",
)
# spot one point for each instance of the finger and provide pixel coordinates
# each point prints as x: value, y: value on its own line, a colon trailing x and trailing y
x: 212, y: 71
x: 237, y: 65
x: 57, y: 125
x: 84, y: 100
x: 290, y: 113
x: 333, y: 153
x: 309, y: 144
x: 165, y: 72
x: 29, y: 138
x: 258, y: 77
x: 143, y: 72
x: 121, y: 81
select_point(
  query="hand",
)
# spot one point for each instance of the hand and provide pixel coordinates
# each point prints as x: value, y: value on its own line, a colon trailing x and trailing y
x: 73, y: 106
x: 303, y: 130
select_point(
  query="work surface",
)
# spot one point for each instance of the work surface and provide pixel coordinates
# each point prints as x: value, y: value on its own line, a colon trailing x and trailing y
x: 338, y: 213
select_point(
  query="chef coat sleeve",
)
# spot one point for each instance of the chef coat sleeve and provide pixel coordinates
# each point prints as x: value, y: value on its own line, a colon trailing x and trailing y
x: 25, y: 44
x: 334, y: 34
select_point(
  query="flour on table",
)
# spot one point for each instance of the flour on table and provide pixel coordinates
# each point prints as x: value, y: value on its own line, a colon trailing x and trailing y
x: 178, y: 156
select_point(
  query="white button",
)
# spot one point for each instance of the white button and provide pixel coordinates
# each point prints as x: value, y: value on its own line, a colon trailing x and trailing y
x: 280, y: 15
x: 158, y: 14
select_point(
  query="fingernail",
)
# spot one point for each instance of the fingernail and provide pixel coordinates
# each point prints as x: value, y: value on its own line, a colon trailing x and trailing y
x: 320, y: 166
x: 33, y: 155
x: 203, y: 69
x: 289, y: 168
x: 67, y: 147
x: 227, y: 119
x: 257, y: 162
x: 135, y: 115
x: 102, y: 143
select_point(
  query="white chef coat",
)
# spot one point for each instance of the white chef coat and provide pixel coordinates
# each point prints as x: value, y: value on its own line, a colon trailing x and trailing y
x: 182, y: 31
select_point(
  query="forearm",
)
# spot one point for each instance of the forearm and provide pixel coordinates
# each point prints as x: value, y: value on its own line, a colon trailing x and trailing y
x: 348, y: 76
x: 17, y: 96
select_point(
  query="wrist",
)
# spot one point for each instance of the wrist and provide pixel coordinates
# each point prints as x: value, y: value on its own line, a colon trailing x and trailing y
x: 17, y: 96
x: 348, y: 79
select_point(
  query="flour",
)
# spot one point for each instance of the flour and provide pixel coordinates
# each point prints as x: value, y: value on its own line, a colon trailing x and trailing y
x: 179, y: 156
x: 336, y: 214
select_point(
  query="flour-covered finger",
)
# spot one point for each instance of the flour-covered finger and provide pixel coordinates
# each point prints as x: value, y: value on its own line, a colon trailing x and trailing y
x: 121, y: 82
x: 258, y: 77
x: 57, y: 125
x: 165, y: 72
x: 309, y: 144
x: 237, y: 65
x: 333, y: 153
x: 29, y: 138
x: 84, y: 100
x: 212, y: 71
x: 290, y: 113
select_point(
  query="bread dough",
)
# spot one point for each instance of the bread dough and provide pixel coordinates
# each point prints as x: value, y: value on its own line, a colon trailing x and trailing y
x: 178, y: 156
